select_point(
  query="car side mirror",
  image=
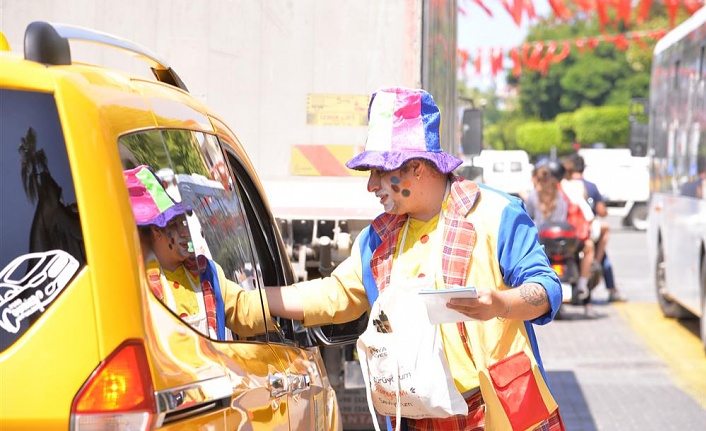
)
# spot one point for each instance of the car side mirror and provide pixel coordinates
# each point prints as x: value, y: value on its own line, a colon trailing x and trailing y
x: 340, y: 334
x: 639, y: 126
x: 472, y: 131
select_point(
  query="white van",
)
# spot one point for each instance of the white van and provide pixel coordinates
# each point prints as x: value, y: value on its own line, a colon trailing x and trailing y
x: 506, y: 170
x: 623, y: 181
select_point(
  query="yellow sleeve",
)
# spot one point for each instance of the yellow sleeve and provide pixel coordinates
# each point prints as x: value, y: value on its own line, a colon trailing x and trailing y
x: 339, y: 298
x: 244, y: 308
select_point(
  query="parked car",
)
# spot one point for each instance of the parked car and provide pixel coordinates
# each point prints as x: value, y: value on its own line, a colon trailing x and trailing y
x: 84, y: 343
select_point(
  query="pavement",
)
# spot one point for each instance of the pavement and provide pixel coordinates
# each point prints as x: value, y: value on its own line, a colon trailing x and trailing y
x: 607, y: 375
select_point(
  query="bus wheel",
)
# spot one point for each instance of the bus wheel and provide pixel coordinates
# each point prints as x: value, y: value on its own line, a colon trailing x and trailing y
x: 637, y: 217
x: 669, y: 308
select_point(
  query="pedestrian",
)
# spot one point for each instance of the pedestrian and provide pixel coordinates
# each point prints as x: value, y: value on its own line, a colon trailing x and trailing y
x: 193, y: 287
x: 598, y: 206
x: 440, y: 231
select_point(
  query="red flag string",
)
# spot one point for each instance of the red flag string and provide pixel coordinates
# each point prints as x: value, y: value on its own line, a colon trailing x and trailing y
x: 622, y: 10
x: 540, y: 55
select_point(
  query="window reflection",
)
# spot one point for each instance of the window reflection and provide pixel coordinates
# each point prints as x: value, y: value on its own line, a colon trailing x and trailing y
x: 41, y: 237
x: 190, y: 167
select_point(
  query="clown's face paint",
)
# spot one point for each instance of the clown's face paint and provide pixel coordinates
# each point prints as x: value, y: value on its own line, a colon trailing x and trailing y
x: 178, y: 237
x: 392, y: 188
x: 400, y: 186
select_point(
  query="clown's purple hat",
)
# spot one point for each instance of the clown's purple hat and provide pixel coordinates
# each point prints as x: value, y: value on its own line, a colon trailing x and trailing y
x: 403, y: 124
x: 151, y: 204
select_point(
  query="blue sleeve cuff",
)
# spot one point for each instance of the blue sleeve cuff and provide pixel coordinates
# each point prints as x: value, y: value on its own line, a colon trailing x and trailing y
x: 522, y: 258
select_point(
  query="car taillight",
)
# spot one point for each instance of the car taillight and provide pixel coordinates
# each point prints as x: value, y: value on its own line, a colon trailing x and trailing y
x: 118, y: 395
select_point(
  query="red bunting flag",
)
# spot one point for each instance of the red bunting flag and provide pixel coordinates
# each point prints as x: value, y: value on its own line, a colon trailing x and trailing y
x: 484, y: 7
x: 496, y: 61
x: 516, y: 62
x: 692, y: 6
x: 644, y: 12
x: 477, y: 62
x: 565, y: 50
x: 560, y: 10
x: 463, y: 57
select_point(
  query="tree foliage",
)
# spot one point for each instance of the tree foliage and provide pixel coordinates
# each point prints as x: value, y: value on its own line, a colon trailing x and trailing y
x: 539, y: 137
x: 583, y: 98
x: 608, y: 124
x: 598, y: 77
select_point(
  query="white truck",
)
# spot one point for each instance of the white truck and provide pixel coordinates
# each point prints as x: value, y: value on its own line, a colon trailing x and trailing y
x: 622, y: 180
x: 295, y: 78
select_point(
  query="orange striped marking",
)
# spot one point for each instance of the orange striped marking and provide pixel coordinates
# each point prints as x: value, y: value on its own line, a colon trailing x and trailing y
x: 323, y: 160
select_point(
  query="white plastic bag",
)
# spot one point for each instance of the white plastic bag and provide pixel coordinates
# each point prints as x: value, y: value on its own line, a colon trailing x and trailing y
x: 405, y: 370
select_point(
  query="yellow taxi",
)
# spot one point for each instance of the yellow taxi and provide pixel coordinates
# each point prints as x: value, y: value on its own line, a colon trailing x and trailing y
x: 84, y: 342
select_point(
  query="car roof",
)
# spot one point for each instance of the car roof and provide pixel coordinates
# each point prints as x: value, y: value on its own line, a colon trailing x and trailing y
x: 46, y: 66
x: 120, y: 102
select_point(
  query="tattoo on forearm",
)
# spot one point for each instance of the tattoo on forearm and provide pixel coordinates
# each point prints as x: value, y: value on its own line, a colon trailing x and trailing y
x: 533, y: 293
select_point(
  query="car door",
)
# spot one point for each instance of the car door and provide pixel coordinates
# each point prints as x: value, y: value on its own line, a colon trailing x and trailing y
x: 248, y: 377
x: 311, y: 400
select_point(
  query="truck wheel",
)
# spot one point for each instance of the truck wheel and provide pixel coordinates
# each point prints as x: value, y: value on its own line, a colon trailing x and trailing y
x: 703, y: 301
x: 637, y: 217
x: 669, y: 308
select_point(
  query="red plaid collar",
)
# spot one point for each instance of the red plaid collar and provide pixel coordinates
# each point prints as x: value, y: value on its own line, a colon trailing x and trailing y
x: 459, y: 236
x: 155, y: 284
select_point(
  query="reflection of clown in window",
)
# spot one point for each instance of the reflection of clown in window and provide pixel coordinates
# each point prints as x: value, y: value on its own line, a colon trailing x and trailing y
x: 192, y: 286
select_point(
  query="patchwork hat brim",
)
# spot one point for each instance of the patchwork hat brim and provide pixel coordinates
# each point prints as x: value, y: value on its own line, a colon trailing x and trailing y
x: 151, y: 204
x: 393, y: 160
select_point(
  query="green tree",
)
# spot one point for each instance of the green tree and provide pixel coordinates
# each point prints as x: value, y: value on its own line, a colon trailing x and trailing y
x: 608, y: 124
x: 603, y: 76
x: 539, y: 137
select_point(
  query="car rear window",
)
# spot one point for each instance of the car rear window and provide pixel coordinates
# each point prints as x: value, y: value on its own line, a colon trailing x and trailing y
x: 41, y: 242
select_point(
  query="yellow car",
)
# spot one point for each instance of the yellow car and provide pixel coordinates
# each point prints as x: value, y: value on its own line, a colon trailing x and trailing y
x: 84, y: 342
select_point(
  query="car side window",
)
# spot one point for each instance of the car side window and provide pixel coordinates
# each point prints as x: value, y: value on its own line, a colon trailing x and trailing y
x: 192, y: 169
x: 41, y: 241
x: 271, y: 252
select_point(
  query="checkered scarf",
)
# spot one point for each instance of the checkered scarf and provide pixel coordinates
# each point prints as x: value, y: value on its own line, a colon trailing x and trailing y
x: 207, y: 289
x: 155, y: 284
x: 459, y: 236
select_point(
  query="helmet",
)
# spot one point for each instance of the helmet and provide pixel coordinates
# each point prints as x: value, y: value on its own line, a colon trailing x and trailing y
x: 555, y: 167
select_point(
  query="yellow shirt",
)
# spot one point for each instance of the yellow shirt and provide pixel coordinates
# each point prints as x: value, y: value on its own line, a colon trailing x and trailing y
x: 345, y: 294
x: 414, y: 260
x: 182, y: 285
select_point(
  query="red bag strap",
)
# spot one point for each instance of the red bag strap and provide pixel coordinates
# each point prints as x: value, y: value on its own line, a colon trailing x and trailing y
x: 462, y: 332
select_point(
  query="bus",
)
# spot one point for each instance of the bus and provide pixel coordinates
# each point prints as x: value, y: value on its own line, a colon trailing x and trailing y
x: 676, y: 150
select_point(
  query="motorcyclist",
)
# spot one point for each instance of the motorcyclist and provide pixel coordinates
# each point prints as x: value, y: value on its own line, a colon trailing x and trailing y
x: 549, y: 203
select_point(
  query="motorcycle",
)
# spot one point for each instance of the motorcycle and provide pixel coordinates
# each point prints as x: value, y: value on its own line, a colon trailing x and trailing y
x: 563, y: 248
